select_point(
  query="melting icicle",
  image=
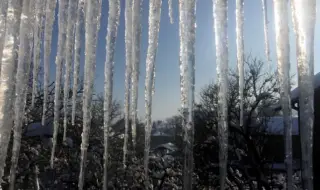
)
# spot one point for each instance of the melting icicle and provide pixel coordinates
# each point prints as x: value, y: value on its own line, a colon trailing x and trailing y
x: 50, y: 15
x: 3, y: 18
x: 187, y: 25
x: 128, y: 41
x: 7, y: 78
x: 62, y: 24
x: 304, y: 16
x: 113, y: 22
x: 136, y: 35
x: 265, y: 30
x: 283, y: 55
x: 220, y: 28
x: 77, y: 50
x: 69, y: 51
x: 93, y: 10
x: 24, y: 60
x: 154, y: 25
x: 240, y: 52
x: 170, y: 11
x: 37, y: 44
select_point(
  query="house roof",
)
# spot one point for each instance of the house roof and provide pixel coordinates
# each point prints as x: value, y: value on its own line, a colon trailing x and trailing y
x: 275, y: 125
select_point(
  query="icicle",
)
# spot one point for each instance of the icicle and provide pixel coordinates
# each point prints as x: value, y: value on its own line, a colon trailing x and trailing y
x: 113, y: 22
x: 7, y: 78
x: 39, y: 7
x: 154, y: 25
x: 265, y: 30
x: 170, y: 11
x: 69, y: 51
x: 240, y: 52
x: 187, y: 25
x: 220, y: 28
x: 3, y: 18
x: 304, y: 16
x: 50, y: 16
x: 136, y: 36
x: 62, y: 24
x: 283, y: 55
x: 128, y: 41
x: 77, y: 50
x: 93, y: 11
x: 24, y: 59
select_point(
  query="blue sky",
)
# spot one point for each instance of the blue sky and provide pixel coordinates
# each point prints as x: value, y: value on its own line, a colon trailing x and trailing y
x: 166, y: 99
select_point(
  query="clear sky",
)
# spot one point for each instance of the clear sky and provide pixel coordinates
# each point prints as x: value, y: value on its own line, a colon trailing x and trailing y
x: 167, y: 91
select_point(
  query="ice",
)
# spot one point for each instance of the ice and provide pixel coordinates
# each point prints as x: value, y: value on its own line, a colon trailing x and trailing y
x: 7, y: 78
x: 77, y: 50
x: 93, y: 10
x: 128, y: 42
x: 221, y: 42
x: 187, y: 25
x: 153, y: 35
x: 170, y: 11
x: 3, y: 18
x: 304, y: 16
x: 38, y: 26
x: 69, y: 52
x: 62, y: 24
x: 113, y: 22
x: 50, y: 16
x: 136, y: 35
x: 24, y: 59
x: 265, y: 28
x: 240, y: 52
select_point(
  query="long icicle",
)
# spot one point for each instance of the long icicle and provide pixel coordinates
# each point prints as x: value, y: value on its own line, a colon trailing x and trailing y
x: 220, y: 29
x: 39, y: 7
x: 304, y: 16
x: 283, y: 55
x: 170, y: 11
x: 3, y: 18
x: 24, y: 59
x: 92, y: 23
x: 77, y: 52
x: 50, y: 16
x: 240, y: 52
x: 112, y: 31
x: 62, y: 24
x: 69, y: 52
x: 128, y: 73
x: 265, y: 28
x: 154, y: 25
x: 187, y: 24
x: 136, y: 38
x: 7, y: 78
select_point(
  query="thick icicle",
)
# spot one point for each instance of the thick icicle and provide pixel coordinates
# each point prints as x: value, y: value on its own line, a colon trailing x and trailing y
x: 3, y: 18
x: 38, y: 25
x: 220, y: 16
x: 187, y: 25
x: 170, y: 11
x: 283, y: 55
x: 128, y: 41
x: 69, y: 51
x: 62, y: 24
x: 93, y: 10
x: 136, y: 36
x: 154, y: 25
x: 240, y: 52
x: 77, y: 51
x: 113, y: 22
x: 265, y: 28
x: 24, y: 59
x: 304, y: 16
x: 7, y: 78
x: 50, y: 16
